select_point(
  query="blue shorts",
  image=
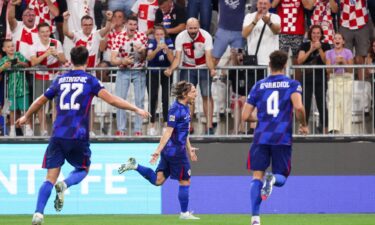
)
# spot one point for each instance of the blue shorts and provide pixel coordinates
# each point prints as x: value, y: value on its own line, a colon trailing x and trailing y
x: 225, y: 38
x: 198, y: 76
x: 260, y: 157
x: 76, y: 152
x: 177, y: 167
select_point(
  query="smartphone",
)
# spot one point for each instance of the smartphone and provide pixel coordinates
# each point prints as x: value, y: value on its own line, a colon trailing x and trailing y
x: 13, y: 62
x: 51, y: 44
x: 162, y: 41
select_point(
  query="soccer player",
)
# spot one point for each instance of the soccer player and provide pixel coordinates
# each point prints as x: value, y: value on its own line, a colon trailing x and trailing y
x: 172, y: 148
x: 73, y: 93
x: 274, y: 97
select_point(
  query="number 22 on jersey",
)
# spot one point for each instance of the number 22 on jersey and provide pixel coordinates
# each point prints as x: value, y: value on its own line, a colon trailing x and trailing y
x: 66, y: 88
x: 273, y: 104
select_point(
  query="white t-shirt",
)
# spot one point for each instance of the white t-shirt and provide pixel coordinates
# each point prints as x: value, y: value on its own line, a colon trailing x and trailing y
x: 194, y: 50
x: 38, y: 49
x: 91, y: 42
x: 270, y: 41
x: 23, y: 38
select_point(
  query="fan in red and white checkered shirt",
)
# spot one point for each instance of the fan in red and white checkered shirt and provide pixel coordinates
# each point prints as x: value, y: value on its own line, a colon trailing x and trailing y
x: 322, y: 15
x: 145, y: 11
x: 354, y: 14
x: 45, y: 11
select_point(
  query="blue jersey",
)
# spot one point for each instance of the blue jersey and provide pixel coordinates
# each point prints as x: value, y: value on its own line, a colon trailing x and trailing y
x: 272, y: 97
x: 179, y: 119
x: 161, y: 59
x: 74, y: 92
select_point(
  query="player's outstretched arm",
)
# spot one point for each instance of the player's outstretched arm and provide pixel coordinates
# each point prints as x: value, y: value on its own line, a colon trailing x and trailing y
x: 121, y: 103
x: 163, y: 141
x: 300, y: 112
x: 247, y: 113
x: 35, y: 106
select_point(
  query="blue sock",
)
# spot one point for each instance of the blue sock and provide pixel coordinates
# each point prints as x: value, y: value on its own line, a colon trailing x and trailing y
x: 147, y: 173
x: 183, y: 197
x: 279, y: 180
x: 75, y: 177
x: 43, y: 196
x: 255, y: 187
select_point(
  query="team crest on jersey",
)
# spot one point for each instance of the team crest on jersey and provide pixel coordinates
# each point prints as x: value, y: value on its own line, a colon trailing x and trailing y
x: 172, y: 118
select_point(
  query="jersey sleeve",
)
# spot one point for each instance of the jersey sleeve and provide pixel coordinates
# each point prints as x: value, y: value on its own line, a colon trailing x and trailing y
x: 179, y: 41
x: 96, y: 86
x: 251, y: 98
x: 296, y: 87
x: 52, y: 91
x: 169, y: 43
x: 135, y: 7
x: 172, y: 117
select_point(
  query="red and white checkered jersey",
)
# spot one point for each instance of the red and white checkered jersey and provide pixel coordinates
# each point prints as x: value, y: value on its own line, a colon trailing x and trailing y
x: 23, y: 37
x: 124, y: 45
x: 292, y: 17
x: 194, y: 50
x: 38, y: 49
x: 146, y: 11
x: 110, y: 39
x: 354, y: 14
x: 42, y: 12
x: 78, y: 9
x: 91, y: 42
x: 322, y: 15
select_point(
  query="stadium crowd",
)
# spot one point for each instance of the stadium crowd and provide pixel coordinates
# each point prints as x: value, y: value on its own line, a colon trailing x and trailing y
x: 137, y: 34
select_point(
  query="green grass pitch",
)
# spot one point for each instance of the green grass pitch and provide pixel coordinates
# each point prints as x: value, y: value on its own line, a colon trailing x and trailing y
x: 291, y: 219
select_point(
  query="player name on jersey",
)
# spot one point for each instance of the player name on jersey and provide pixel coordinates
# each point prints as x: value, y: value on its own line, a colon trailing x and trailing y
x: 281, y: 84
x: 72, y: 79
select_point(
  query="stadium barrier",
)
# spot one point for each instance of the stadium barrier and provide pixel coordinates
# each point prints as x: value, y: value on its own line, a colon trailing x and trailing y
x: 227, y: 99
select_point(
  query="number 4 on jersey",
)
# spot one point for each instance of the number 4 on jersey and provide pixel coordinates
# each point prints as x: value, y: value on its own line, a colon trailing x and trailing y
x: 273, y: 104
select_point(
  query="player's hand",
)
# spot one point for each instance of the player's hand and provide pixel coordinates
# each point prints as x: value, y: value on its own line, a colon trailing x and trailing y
x: 21, y: 121
x: 109, y: 15
x: 66, y: 15
x: 143, y: 113
x: 193, y: 155
x: 154, y: 158
x: 303, y: 129
x: 168, y: 72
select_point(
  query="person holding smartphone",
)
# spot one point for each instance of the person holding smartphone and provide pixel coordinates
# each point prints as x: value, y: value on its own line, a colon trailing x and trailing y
x: 159, y: 54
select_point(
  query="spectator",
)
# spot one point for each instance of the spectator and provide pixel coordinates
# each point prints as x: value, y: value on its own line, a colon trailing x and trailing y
x: 124, y: 6
x: 340, y: 87
x: 78, y: 9
x: 315, y: 80
x: 145, y: 10
x: 48, y: 53
x: 322, y: 15
x: 88, y: 36
x: 355, y: 29
x: 23, y: 33
x: 18, y: 92
x: 118, y: 26
x: 129, y: 52
x: 159, y: 54
x: 172, y: 16
x: 292, y: 23
x: 240, y: 87
x: 370, y: 60
x: 229, y: 31
x: 45, y: 11
x: 201, y: 9
x: 196, y: 46
x: 253, y: 25
x: 59, y: 20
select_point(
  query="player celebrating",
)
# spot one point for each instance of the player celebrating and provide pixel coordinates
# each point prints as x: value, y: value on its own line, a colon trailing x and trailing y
x: 274, y: 97
x: 172, y: 148
x: 74, y: 92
